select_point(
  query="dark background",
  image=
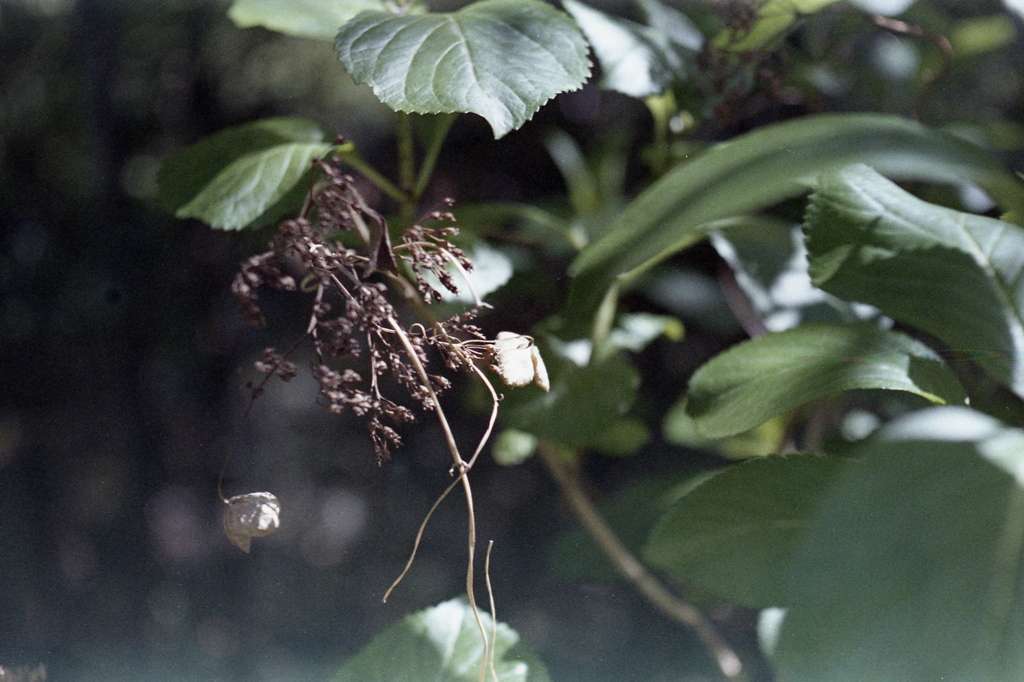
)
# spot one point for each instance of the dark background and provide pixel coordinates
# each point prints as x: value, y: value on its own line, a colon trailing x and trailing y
x: 125, y: 360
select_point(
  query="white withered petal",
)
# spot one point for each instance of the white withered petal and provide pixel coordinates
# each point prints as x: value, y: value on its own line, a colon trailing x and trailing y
x: 251, y: 516
x: 517, y: 360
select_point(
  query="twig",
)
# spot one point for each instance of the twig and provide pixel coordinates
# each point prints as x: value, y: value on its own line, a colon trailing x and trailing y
x: 928, y: 78
x: 632, y: 570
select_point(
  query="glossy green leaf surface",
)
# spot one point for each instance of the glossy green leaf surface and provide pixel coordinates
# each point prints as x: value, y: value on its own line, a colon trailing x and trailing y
x: 232, y: 178
x: 635, y: 60
x: 441, y: 643
x: 763, y: 167
x: 318, y: 19
x: 501, y: 59
x: 756, y: 380
x: 912, y: 569
x: 957, y: 276
x: 735, y: 534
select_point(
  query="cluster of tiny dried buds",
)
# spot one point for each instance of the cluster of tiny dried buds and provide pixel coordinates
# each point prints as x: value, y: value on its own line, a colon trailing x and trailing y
x: 351, y: 315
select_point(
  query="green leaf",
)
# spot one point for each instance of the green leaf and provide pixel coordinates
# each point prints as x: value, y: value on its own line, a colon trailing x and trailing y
x: 584, y: 400
x: 954, y: 275
x: 774, y: 18
x: 501, y: 59
x: 319, y: 19
x: 736, y: 533
x: 756, y: 380
x: 912, y: 568
x: 635, y: 60
x: 442, y: 643
x: 679, y: 428
x: 764, y: 167
x: 234, y: 177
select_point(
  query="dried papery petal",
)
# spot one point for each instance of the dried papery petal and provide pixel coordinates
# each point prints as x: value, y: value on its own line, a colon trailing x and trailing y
x: 540, y: 372
x: 517, y: 360
x: 251, y: 516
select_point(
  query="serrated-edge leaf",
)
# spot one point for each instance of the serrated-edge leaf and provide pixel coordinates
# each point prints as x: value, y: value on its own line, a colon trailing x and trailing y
x: 867, y: 236
x: 441, y: 643
x: 317, y: 19
x: 735, y: 533
x: 243, y: 190
x: 758, y: 379
x: 764, y: 167
x: 501, y: 59
x: 190, y: 170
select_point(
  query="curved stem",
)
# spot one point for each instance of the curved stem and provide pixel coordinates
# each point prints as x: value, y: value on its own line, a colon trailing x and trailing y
x: 453, y: 448
x: 632, y: 570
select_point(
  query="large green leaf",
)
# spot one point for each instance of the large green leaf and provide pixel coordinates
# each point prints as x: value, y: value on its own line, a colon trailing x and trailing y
x: 912, y: 569
x: 636, y: 60
x: 735, y: 534
x: 319, y: 19
x: 764, y: 167
x: 234, y: 177
x: 957, y: 276
x: 442, y: 644
x: 756, y: 380
x: 501, y: 59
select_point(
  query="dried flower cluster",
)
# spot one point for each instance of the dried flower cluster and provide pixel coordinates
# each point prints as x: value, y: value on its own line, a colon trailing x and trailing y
x: 341, y: 252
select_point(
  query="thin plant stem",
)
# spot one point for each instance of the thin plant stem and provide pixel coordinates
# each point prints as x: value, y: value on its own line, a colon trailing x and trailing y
x: 441, y: 129
x: 494, y: 612
x: 632, y: 570
x: 462, y: 468
x: 352, y: 158
x: 406, y: 157
x: 453, y: 448
x: 419, y: 537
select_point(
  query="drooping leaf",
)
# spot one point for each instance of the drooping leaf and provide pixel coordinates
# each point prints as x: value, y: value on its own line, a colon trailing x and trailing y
x: 319, y: 19
x: 441, y: 643
x: 635, y: 60
x: 234, y: 177
x: 912, y: 568
x: 764, y: 167
x: 957, y: 276
x: 756, y: 380
x: 736, y: 533
x: 774, y: 18
x: 501, y: 59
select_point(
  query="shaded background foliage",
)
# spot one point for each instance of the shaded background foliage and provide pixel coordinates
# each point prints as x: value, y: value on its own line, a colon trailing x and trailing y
x: 125, y: 358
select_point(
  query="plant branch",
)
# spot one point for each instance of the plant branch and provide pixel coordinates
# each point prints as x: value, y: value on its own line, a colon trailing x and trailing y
x: 441, y: 129
x: 633, y: 571
x: 352, y: 158
x: 414, y: 358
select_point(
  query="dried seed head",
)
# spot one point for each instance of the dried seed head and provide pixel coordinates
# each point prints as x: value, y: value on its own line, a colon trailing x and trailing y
x: 251, y: 516
x: 517, y: 360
